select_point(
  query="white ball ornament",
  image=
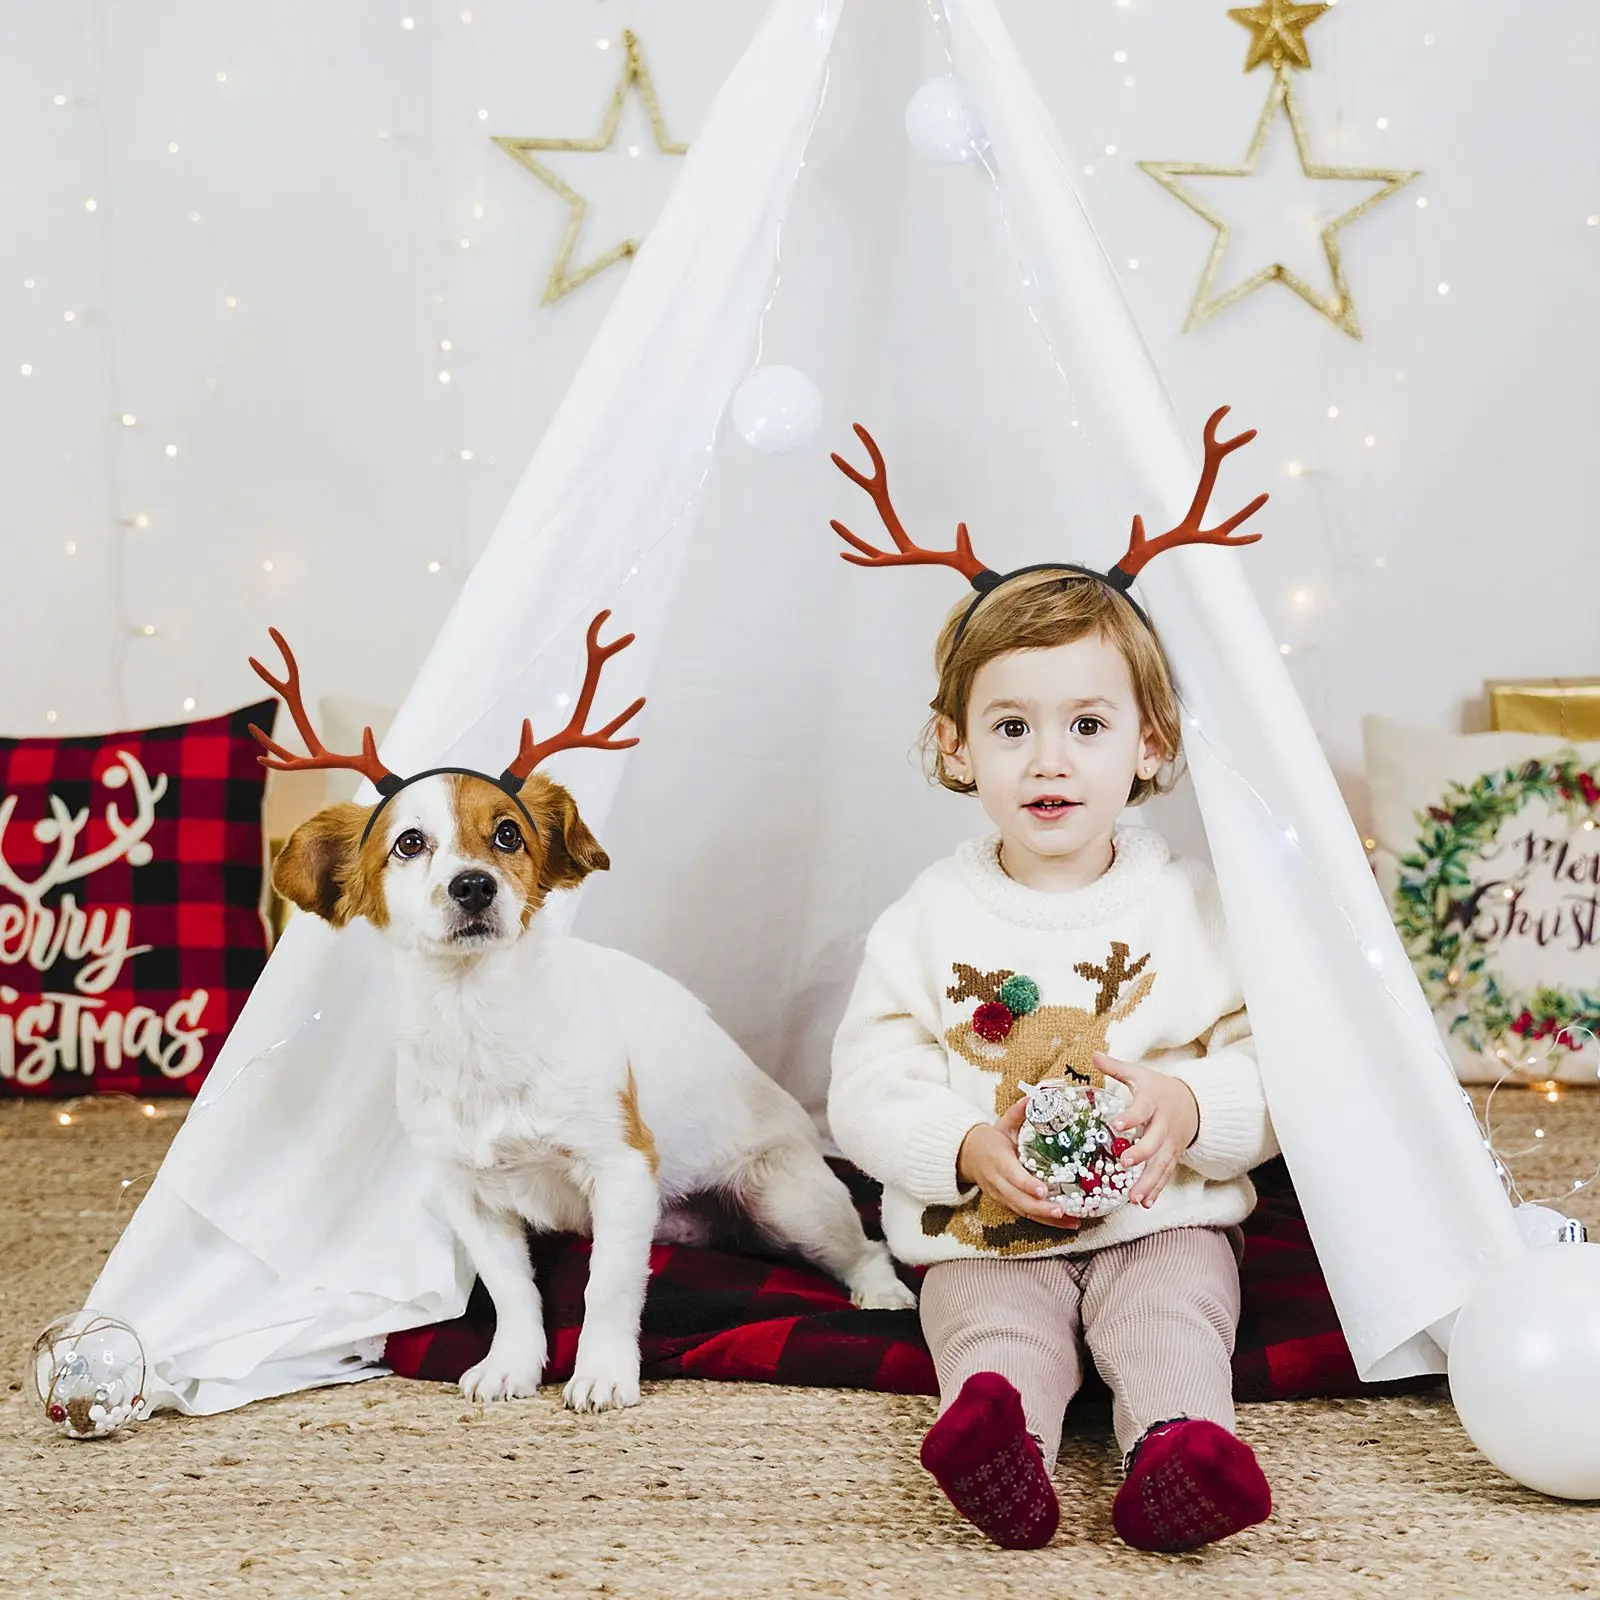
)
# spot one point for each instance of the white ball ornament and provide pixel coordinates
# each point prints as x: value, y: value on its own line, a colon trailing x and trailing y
x: 777, y: 410
x: 1525, y: 1369
x: 1538, y: 1225
x: 942, y: 123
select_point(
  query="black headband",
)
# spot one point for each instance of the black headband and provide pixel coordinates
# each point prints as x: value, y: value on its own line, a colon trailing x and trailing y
x: 388, y: 787
x: 986, y: 581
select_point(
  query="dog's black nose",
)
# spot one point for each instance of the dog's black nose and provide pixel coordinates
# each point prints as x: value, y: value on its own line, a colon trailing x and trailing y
x: 472, y: 891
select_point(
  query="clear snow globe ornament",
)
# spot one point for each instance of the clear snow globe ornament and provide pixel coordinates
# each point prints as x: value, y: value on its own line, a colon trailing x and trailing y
x: 89, y: 1374
x: 1067, y: 1140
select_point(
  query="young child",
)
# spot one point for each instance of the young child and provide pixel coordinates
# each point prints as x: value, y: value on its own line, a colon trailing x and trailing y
x: 1089, y: 953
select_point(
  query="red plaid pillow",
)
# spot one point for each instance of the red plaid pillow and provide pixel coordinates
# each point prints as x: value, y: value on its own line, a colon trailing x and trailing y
x: 130, y: 904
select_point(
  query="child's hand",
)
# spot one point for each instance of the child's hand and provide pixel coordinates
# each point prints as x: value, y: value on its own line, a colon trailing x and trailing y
x: 988, y: 1158
x: 1166, y: 1109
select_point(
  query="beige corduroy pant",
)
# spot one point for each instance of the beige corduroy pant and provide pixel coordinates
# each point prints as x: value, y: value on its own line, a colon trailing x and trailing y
x: 1159, y: 1315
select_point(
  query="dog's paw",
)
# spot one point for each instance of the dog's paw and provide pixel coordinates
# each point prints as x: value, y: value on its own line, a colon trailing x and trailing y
x: 605, y: 1382
x: 874, y: 1286
x: 505, y: 1375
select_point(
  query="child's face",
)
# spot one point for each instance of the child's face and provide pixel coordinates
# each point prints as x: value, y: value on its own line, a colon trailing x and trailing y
x: 1053, y: 744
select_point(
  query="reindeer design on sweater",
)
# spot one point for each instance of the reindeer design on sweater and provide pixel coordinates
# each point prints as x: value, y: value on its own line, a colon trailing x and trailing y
x: 1030, y: 1045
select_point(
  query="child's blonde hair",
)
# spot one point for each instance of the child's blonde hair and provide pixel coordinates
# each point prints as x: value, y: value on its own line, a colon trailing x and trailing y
x: 1037, y: 612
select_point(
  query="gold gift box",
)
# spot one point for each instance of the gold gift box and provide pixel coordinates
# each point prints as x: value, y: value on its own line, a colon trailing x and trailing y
x: 1566, y: 708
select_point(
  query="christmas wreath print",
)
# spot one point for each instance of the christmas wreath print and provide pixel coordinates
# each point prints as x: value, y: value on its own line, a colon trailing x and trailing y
x: 1436, y: 904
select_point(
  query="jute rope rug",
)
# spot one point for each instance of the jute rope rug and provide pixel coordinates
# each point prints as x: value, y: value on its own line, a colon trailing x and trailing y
x: 404, y: 1489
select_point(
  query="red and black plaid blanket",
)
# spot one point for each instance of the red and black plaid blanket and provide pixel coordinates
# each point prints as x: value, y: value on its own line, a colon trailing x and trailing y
x: 740, y: 1313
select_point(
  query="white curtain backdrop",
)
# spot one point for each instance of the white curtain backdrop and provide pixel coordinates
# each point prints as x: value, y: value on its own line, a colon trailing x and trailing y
x: 774, y: 805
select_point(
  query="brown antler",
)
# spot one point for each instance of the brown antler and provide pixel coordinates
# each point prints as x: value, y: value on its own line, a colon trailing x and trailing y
x: 971, y: 984
x: 905, y: 553
x: 1112, y: 975
x: 573, y: 736
x: 1189, y: 531
x: 281, y: 760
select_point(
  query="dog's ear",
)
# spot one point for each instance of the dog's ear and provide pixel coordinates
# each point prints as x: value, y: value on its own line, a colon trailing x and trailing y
x: 571, y: 852
x: 317, y: 866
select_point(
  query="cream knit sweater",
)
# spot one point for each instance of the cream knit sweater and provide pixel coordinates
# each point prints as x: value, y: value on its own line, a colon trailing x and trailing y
x: 1135, y: 964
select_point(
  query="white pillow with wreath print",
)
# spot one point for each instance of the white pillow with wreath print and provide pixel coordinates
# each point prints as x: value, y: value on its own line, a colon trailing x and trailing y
x: 1488, y: 855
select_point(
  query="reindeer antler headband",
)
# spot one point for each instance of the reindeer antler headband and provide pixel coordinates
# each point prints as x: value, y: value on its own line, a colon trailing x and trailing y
x: 389, y: 784
x: 1140, y: 549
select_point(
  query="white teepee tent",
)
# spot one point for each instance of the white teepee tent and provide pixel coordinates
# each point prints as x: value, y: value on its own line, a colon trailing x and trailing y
x: 968, y: 316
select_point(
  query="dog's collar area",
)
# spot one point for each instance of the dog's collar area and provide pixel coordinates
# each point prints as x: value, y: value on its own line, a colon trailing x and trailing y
x: 987, y: 581
x: 389, y: 786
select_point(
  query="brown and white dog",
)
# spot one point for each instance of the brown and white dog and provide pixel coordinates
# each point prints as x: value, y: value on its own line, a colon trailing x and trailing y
x: 551, y: 1082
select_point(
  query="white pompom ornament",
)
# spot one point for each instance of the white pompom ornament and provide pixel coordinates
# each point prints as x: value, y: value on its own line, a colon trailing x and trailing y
x: 777, y: 410
x: 942, y: 124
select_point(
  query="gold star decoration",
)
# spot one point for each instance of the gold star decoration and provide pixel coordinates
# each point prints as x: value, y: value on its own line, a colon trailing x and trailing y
x: 1277, y: 33
x: 635, y: 75
x: 1337, y: 306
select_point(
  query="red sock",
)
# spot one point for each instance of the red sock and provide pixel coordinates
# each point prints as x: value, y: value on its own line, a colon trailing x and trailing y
x: 985, y: 1460
x: 1190, y: 1484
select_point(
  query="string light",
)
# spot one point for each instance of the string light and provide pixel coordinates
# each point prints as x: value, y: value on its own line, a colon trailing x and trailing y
x: 1444, y: 288
x: 188, y: 702
x: 466, y: 455
x: 1422, y: 202
x: 1294, y: 469
x: 602, y: 44
x: 172, y: 449
x: 1284, y: 649
x: 60, y: 100
x: 1119, y: 56
x: 172, y: 149
x: 1088, y: 171
x: 408, y: 23
x: 72, y: 547
x: 231, y: 303
x: 466, y: 244
x: 91, y: 204
x: 266, y: 566
x: 27, y: 283
x: 222, y: 77
x: 1111, y: 149
x: 129, y: 420
x: 1383, y: 122
x: 466, y: 19
x: 141, y: 522
x: 433, y: 566
x: 194, y: 216
x: 1370, y: 440
x: 483, y: 114
x: 444, y: 377
x: 1593, y: 221
x: 1333, y: 411
x: 1381, y: 561
x: 50, y: 716
x: 444, y: 344
x: 27, y: 369
x: 69, y: 316
x: 1133, y: 263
